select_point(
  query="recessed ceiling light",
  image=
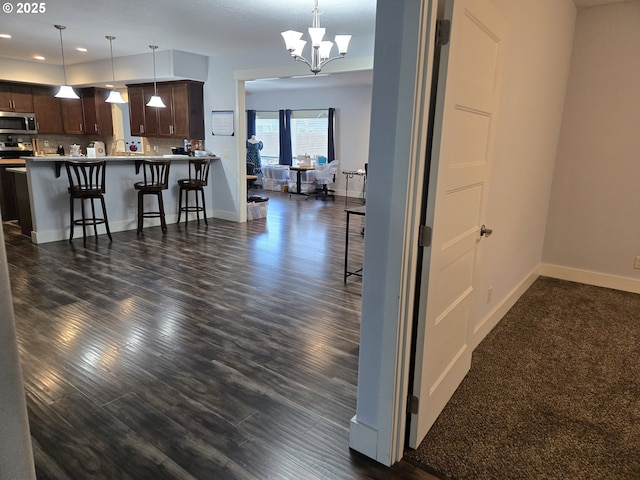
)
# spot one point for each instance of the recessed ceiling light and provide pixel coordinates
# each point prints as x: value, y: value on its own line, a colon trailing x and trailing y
x: 81, y: 49
x: 108, y: 85
x: 38, y: 57
x: 5, y: 35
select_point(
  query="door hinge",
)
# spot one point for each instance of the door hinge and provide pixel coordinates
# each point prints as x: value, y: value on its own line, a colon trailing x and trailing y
x: 443, y: 32
x: 412, y: 404
x: 424, y: 236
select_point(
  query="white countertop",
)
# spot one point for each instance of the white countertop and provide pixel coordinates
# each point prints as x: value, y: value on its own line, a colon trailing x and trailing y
x: 128, y: 158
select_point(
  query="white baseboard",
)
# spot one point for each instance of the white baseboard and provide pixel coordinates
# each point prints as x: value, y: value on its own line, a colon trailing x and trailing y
x: 554, y: 271
x: 225, y: 215
x: 491, y: 320
x: 363, y: 438
x: 588, y: 277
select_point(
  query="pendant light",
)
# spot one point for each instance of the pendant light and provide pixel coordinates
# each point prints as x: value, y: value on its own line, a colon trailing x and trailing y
x: 155, y: 100
x: 65, y: 90
x: 114, y: 95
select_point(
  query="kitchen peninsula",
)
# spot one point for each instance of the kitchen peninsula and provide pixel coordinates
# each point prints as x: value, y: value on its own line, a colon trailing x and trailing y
x: 48, y: 183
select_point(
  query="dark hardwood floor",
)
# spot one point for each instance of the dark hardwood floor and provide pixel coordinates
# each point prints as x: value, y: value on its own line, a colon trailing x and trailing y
x: 220, y: 352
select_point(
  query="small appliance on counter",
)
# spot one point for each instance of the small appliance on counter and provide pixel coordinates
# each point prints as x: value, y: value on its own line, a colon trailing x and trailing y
x: 179, y: 151
x: 96, y: 149
x: 74, y: 150
x: 101, y: 150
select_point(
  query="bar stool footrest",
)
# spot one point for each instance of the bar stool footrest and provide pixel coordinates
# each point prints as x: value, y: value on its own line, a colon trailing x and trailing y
x: 89, y: 221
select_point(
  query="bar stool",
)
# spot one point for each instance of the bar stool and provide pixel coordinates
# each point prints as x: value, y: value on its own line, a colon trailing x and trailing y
x: 86, y: 182
x: 198, y: 177
x: 155, y: 180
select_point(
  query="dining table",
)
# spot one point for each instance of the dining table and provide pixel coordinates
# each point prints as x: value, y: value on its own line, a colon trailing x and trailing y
x: 299, y: 169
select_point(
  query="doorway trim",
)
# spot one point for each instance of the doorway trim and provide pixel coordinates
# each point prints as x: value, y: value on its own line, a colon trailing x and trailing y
x: 378, y: 428
x: 416, y: 189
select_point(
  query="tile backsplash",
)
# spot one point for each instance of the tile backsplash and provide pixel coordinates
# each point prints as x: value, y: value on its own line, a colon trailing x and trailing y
x: 48, y: 144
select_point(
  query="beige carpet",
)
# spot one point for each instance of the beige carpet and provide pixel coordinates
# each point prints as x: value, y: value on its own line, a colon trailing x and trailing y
x: 553, y: 392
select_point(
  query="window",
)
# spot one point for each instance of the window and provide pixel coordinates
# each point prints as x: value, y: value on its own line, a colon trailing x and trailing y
x: 309, y: 132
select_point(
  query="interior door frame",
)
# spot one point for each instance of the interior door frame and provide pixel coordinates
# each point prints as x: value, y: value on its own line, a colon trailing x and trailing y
x: 423, y: 199
x: 419, y: 165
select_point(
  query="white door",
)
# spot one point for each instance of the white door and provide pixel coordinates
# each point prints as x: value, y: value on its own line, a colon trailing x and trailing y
x: 466, y: 106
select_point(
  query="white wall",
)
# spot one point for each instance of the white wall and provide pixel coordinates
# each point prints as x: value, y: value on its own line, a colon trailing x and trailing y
x: 170, y: 65
x: 594, y: 221
x: 20, y: 71
x: 353, y: 112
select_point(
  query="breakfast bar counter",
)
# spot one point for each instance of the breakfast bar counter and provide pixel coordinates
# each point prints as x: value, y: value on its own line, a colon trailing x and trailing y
x: 49, y: 197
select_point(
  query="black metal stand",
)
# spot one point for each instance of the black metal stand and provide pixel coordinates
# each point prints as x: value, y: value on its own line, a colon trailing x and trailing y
x: 358, y: 273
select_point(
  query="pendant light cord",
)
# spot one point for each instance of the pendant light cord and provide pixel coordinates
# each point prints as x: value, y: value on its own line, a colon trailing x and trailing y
x: 113, y: 71
x: 64, y: 68
x: 155, y: 87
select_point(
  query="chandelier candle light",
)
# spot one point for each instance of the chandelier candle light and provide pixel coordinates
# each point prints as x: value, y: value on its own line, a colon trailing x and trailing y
x: 320, y: 50
x: 155, y: 100
x: 114, y: 95
x: 65, y: 90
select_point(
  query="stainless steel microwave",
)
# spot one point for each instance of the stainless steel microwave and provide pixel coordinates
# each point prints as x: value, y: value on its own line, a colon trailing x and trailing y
x: 18, y: 123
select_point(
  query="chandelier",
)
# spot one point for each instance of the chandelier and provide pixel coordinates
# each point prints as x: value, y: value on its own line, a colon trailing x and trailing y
x: 320, y: 49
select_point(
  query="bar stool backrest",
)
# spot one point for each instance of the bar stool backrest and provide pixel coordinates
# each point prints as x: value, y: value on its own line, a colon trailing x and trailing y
x: 156, y: 173
x: 86, y: 177
x: 199, y: 171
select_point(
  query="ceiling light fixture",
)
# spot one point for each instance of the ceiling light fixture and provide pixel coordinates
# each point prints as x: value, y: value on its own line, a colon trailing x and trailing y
x: 155, y: 100
x: 114, y: 95
x: 320, y: 50
x: 65, y: 90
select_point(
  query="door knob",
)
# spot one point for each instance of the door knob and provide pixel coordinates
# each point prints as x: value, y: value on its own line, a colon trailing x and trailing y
x: 484, y: 231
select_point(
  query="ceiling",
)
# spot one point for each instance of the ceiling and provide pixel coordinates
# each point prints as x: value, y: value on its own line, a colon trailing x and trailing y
x: 203, y: 27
